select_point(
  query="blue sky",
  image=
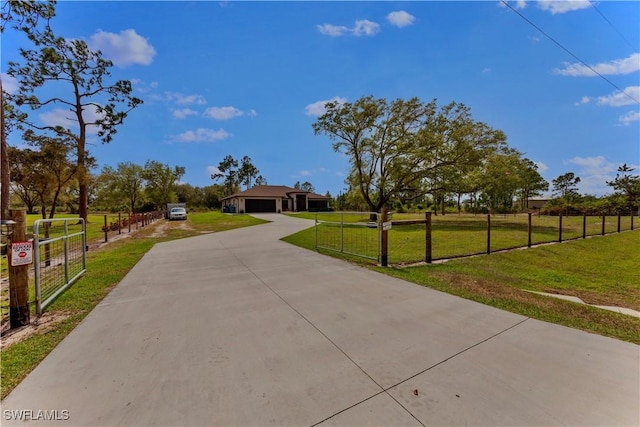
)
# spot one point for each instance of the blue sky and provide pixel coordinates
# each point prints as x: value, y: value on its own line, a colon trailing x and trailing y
x: 250, y: 78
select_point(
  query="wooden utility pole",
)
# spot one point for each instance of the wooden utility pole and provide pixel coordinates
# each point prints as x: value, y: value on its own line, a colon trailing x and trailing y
x: 19, y: 275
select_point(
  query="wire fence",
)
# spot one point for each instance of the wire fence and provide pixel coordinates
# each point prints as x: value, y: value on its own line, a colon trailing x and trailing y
x: 413, y: 239
x: 119, y: 223
x: 59, y: 257
x: 352, y: 233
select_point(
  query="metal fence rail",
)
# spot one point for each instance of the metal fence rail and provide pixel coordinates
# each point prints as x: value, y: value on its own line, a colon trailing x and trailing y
x: 59, y: 257
x: 352, y: 233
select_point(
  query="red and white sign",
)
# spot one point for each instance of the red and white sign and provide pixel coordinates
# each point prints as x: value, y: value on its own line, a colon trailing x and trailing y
x: 21, y: 253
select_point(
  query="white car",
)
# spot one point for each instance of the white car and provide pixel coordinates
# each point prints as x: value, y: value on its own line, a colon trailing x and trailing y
x: 177, y: 213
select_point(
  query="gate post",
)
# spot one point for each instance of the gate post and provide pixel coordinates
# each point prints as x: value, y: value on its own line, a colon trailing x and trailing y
x: 19, y: 314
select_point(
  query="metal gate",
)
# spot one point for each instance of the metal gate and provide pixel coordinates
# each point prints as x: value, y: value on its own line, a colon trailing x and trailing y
x: 352, y: 233
x: 60, y: 257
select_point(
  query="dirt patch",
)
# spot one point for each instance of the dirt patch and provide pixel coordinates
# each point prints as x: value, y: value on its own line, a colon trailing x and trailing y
x: 39, y: 325
x: 162, y: 228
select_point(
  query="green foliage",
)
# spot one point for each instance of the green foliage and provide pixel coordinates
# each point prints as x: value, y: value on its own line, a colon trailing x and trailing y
x: 236, y: 173
x: 121, y: 187
x: 404, y: 149
x: 161, y: 182
x: 566, y: 186
x: 305, y: 186
x: 627, y: 185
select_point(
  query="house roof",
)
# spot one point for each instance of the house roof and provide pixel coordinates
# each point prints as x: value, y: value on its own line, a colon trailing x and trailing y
x: 275, y: 191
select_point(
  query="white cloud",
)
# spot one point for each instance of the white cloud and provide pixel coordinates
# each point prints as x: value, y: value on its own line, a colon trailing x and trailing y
x: 9, y: 84
x: 541, y: 166
x: 630, y: 95
x: 520, y: 4
x: 630, y: 117
x: 594, y: 172
x: 305, y: 173
x: 68, y: 120
x: 201, y: 135
x: 181, y: 99
x: 400, y: 18
x: 124, y: 49
x: 628, y: 65
x: 365, y: 27
x: 594, y: 165
x: 583, y: 101
x: 143, y: 87
x: 361, y: 27
x: 563, y: 6
x: 212, y: 170
x: 183, y: 113
x: 317, y: 108
x: 224, y: 113
x: 332, y: 30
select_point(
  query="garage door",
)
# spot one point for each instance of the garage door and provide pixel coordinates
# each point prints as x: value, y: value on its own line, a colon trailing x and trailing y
x: 260, y: 205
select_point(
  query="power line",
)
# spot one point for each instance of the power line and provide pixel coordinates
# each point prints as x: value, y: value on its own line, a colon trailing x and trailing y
x: 569, y: 52
x: 611, y: 24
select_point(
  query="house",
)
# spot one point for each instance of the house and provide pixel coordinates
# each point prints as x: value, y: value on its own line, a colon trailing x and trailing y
x: 537, y: 203
x: 274, y: 198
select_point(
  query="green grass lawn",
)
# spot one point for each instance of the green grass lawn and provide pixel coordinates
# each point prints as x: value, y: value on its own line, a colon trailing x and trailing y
x: 105, y: 268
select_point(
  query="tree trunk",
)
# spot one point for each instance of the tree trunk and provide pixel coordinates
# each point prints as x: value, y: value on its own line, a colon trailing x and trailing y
x: 5, y: 178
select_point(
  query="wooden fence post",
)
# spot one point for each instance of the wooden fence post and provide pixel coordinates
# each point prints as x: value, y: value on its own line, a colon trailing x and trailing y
x: 19, y: 314
x: 560, y: 228
x: 428, y: 241
x: 488, y: 233
x: 106, y: 230
x: 604, y: 218
x: 529, y: 231
x: 618, y: 222
x: 384, y: 240
x: 584, y: 226
x: 119, y: 223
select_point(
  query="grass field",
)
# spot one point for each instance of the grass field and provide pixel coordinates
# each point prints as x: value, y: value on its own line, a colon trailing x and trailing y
x: 105, y: 268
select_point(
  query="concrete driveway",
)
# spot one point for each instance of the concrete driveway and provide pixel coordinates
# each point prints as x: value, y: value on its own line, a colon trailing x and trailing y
x: 240, y: 329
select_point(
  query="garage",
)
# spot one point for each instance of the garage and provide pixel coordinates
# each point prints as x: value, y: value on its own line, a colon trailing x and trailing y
x: 260, y: 205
